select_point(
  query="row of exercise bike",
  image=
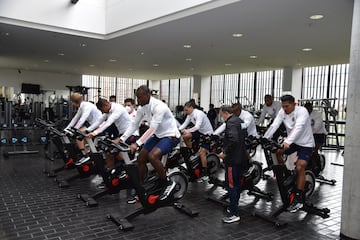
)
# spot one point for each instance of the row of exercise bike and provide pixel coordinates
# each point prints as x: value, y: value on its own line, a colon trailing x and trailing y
x: 182, y: 166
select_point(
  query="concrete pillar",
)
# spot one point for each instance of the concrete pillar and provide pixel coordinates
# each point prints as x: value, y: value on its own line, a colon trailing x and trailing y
x: 350, y: 213
x: 292, y: 81
x: 201, y: 92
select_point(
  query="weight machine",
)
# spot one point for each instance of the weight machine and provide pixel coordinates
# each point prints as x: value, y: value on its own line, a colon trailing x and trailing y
x: 328, y: 106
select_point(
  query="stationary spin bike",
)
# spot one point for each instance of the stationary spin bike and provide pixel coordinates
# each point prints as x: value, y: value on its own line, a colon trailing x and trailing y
x: 286, y: 181
x: 248, y: 181
x: 149, y: 192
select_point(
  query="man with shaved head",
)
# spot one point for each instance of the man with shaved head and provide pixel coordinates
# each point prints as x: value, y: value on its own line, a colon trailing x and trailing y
x: 86, y: 115
x: 161, y: 137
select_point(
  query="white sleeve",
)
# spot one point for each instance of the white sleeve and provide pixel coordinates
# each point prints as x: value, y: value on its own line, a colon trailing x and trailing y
x: 220, y: 129
x: 75, y: 119
x: 199, y: 119
x: 133, y: 126
x: 185, y: 123
x: 262, y: 116
x: 84, y: 116
x: 275, y: 125
x: 97, y: 123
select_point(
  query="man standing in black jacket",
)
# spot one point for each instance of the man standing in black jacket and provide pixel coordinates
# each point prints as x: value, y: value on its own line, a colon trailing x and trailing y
x: 235, y: 158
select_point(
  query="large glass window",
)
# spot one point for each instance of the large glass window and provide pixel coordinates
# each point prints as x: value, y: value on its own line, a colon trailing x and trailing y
x: 102, y: 86
x: 329, y: 83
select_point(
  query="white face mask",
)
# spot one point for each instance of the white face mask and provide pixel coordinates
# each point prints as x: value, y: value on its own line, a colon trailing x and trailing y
x: 128, y: 109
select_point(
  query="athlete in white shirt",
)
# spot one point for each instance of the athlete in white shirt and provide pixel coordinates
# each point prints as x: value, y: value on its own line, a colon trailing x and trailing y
x: 300, y: 138
x: 202, y: 126
x: 270, y: 108
x: 86, y: 114
x: 113, y: 113
x: 246, y: 117
x: 161, y: 137
x: 317, y: 125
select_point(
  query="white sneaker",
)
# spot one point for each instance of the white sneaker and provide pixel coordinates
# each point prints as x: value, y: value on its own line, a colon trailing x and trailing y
x: 249, y: 171
x: 231, y: 219
x: 168, y: 190
x: 204, y: 178
x: 82, y: 160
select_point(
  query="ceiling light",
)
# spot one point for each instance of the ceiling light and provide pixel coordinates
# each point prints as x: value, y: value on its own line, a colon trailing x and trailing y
x: 187, y: 46
x: 91, y: 65
x: 112, y: 60
x: 192, y: 69
x: 253, y: 56
x: 61, y: 54
x: 156, y: 65
x: 237, y: 35
x: 306, y: 49
x: 227, y: 64
x: 142, y: 53
x: 188, y: 59
x: 7, y: 34
x: 316, y: 17
x: 82, y: 44
x: 46, y: 61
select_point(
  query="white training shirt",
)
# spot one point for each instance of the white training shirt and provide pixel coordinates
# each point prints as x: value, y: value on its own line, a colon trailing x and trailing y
x: 317, y: 123
x: 133, y: 116
x: 162, y: 122
x: 200, y: 120
x: 249, y: 123
x: 117, y: 115
x: 272, y: 111
x: 298, y: 127
x: 86, y: 112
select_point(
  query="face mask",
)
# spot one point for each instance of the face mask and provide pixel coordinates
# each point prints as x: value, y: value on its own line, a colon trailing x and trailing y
x: 128, y: 109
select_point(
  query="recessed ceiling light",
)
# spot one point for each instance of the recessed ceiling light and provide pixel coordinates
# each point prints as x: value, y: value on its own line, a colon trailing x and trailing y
x: 237, y: 35
x: 306, y: 49
x: 46, y: 61
x: 61, y: 54
x: 82, y: 44
x: 188, y: 59
x: 156, y: 65
x: 228, y: 64
x: 316, y: 17
x: 187, y: 46
x: 130, y: 69
x: 142, y: 53
x: 7, y: 34
x: 91, y: 65
x: 112, y: 60
x: 253, y: 56
x: 192, y: 69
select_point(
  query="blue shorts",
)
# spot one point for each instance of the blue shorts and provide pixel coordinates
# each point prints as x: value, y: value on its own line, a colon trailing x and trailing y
x: 196, y: 136
x: 303, y: 153
x: 165, y: 144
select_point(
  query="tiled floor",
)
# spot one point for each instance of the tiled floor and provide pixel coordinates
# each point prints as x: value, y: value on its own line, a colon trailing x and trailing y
x: 33, y: 207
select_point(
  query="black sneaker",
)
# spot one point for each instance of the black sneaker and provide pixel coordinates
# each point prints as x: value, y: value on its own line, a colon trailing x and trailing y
x: 82, y: 160
x: 131, y: 200
x: 101, y: 185
x: 295, y: 205
x: 168, y: 189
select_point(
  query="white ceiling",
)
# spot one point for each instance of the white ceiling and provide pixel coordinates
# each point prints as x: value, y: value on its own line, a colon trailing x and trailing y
x: 274, y: 30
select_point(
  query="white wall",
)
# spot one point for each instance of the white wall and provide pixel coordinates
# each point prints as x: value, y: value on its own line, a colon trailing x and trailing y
x: 102, y: 19
x: 48, y: 81
x: 127, y: 13
x: 57, y: 15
